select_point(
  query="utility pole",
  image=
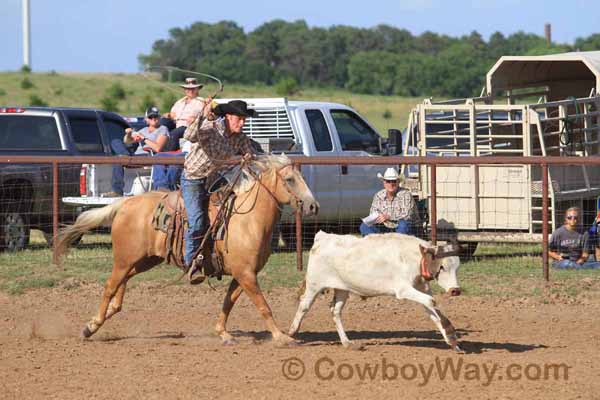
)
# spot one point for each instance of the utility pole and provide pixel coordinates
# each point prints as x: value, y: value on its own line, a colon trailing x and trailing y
x: 26, y: 35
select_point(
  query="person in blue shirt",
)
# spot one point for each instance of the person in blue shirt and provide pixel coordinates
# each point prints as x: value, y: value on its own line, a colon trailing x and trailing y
x: 568, y: 248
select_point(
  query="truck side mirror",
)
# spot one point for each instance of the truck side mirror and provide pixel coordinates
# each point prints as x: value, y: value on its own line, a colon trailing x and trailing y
x: 395, y: 141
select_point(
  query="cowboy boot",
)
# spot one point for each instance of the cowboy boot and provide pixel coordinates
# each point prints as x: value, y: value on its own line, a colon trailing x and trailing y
x: 194, y: 272
x: 201, y: 266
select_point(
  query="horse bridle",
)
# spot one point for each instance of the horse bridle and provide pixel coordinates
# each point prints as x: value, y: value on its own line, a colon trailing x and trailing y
x: 256, y: 177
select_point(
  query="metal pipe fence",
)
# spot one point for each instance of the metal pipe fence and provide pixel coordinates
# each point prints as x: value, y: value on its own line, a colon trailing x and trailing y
x: 434, y: 188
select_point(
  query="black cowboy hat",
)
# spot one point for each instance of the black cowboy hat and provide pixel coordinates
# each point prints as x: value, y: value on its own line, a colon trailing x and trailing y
x: 235, y: 107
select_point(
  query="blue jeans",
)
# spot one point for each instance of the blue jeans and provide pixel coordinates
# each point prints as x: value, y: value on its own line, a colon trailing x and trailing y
x: 195, y: 198
x: 404, y: 226
x: 591, y: 263
x: 118, y: 173
x: 166, y: 176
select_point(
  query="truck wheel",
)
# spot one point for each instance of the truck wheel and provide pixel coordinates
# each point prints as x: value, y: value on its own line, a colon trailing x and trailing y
x: 14, y: 232
x: 467, y: 250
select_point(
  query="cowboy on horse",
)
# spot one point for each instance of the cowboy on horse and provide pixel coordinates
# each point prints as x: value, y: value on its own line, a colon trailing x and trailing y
x: 215, y: 138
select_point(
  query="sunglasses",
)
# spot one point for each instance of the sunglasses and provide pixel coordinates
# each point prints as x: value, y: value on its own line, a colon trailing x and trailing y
x: 153, y: 117
x: 572, y: 217
x: 391, y: 181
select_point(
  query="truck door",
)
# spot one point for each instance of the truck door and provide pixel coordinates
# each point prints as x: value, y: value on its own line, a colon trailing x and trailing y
x: 324, y: 180
x: 358, y: 183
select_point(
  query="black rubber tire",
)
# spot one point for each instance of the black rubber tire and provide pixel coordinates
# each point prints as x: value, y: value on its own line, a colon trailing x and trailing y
x: 14, y: 231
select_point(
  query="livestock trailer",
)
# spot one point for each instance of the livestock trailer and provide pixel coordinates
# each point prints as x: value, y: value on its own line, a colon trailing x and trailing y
x: 530, y: 106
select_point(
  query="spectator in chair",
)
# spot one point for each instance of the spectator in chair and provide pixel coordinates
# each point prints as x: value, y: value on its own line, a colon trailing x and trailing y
x: 144, y: 142
x: 570, y: 249
x: 184, y: 112
x: 393, y: 207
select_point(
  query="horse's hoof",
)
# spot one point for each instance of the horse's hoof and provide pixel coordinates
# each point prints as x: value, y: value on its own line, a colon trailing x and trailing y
x: 286, y: 341
x: 86, y: 333
x: 197, y: 279
x: 354, y: 346
x: 230, y: 342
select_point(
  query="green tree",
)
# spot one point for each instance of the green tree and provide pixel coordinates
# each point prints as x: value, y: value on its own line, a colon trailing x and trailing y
x: 287, y: 87
x: 36, y: 101
x: 109, y: 104
x: 591, y: 43
x: 372, y: 72
x: 147, y: 102
x: 167, y: 101
x: 116, y: 91
x: 26, y: 84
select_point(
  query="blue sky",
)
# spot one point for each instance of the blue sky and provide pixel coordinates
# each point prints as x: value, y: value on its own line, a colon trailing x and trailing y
x: 107, y: 35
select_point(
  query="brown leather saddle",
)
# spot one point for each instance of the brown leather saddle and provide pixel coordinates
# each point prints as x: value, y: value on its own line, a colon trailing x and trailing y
x: 170, y: 217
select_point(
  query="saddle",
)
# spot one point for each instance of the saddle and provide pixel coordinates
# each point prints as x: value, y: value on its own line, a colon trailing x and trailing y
x: 170, y: 217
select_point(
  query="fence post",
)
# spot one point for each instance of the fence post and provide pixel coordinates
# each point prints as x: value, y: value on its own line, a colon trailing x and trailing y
x: 545, y: 267
x: 298, y: 167
x: 54, y: 209
x: 433, y: 204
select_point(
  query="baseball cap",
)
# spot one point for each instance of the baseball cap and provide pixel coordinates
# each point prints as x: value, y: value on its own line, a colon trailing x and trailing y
x: 152, y: 112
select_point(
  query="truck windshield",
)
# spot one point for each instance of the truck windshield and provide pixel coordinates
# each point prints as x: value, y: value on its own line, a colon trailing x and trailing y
x: 27, y: 132
x: 354, y: 133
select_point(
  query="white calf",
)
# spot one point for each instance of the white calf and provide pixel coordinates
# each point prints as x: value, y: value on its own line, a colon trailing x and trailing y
x: 390, y: 264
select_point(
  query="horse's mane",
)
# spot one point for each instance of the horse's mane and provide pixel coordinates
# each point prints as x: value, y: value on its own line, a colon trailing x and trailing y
x: 259, y: 165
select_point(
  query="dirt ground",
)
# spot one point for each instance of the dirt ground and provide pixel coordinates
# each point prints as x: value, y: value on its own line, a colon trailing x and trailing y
x: 162, y: 346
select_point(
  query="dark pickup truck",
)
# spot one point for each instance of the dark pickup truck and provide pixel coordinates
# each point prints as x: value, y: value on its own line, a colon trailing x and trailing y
x: 26, y: 189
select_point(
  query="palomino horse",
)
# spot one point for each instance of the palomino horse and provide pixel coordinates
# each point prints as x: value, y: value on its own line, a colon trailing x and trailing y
x: 137, y: 246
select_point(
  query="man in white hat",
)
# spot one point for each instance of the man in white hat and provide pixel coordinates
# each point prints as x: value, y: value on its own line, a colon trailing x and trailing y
x: 182, y: 114
x: 185, y: 111
x: 393, y: 208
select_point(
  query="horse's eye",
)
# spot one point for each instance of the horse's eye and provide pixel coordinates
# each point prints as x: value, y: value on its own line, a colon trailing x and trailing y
x: 289, y: 179
x: 442, y: 268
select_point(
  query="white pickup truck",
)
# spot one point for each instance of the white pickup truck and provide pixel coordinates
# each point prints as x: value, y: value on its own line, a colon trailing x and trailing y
x: 295, y: 127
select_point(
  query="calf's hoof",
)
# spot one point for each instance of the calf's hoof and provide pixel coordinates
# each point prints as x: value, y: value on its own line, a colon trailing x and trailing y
x: 229, y: 342
x: 458, y: 349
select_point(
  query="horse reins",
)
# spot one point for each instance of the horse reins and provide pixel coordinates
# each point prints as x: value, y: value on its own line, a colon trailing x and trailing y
x: 279, y: 207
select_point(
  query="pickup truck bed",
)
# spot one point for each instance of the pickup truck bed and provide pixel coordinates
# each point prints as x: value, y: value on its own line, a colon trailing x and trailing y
x: 26, y: 189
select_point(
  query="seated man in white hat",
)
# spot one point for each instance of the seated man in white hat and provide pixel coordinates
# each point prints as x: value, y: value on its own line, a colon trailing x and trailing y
x: 393, y: 208
x: 184, y: 111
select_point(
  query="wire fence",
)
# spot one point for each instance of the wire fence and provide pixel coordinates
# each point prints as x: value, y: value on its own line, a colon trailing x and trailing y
x: 481, y: 201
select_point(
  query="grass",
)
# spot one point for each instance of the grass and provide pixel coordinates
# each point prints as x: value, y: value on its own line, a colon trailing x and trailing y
x: 505, y: 271
x: 88, y: 90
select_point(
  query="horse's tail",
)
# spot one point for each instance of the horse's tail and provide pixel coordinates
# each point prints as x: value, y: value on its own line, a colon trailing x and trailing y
x: 86, y: 221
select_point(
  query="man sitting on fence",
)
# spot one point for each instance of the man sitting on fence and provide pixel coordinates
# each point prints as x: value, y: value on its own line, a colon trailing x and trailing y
x: 393, y: 208
x: 150, y: 139
x: 568, y: 247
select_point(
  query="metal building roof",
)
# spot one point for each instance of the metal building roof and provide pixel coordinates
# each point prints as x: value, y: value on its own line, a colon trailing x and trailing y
x: 527, y: 71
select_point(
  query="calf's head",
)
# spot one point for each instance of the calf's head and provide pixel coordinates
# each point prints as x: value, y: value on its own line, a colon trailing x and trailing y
x: 441, y: 263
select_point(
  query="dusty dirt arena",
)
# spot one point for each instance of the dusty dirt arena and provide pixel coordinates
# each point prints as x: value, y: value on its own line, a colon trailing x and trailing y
x: 162, y: 346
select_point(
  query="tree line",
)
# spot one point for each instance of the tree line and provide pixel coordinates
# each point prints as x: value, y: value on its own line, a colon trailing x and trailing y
x: 381, y: 60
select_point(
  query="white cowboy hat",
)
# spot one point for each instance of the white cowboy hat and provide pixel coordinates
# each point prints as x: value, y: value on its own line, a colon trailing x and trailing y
x: 191, y: 83
x: 390, y: 174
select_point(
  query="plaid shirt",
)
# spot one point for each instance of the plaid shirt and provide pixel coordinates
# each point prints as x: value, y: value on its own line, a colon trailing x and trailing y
x: 211, y: 145
x: 401, y: 207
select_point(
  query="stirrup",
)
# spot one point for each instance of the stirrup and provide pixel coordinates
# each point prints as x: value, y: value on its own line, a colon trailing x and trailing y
x: 194, y: 273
